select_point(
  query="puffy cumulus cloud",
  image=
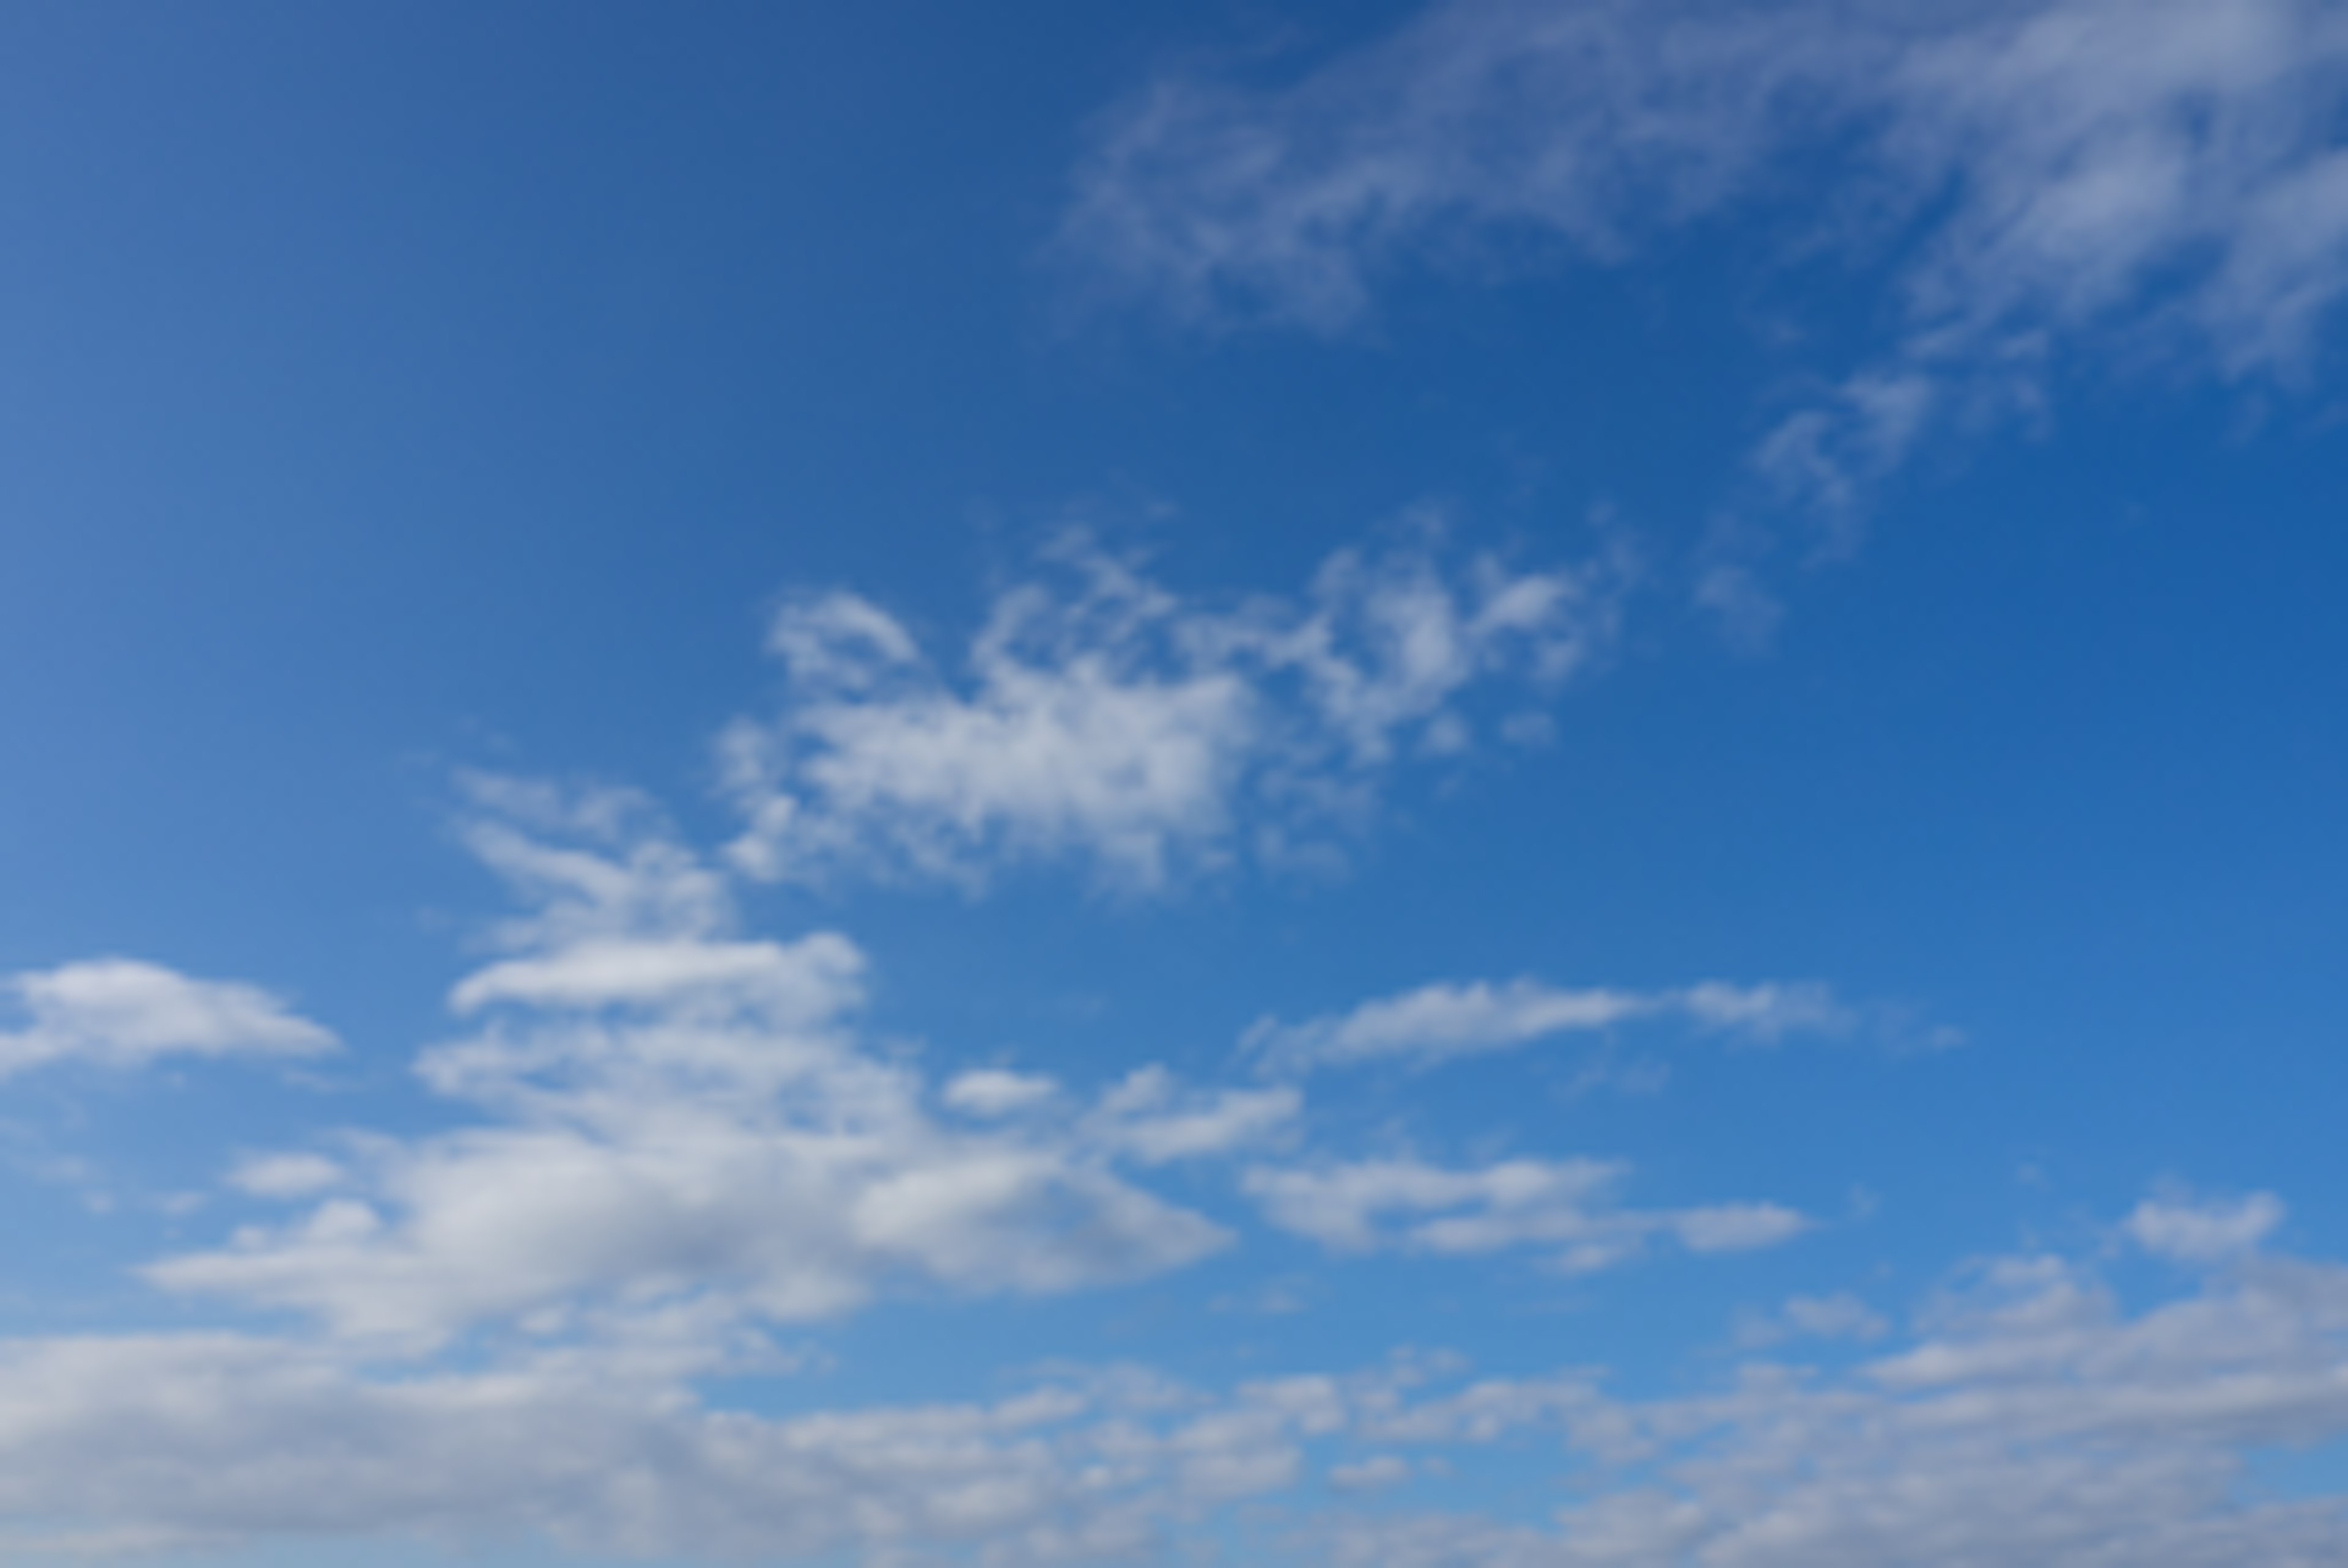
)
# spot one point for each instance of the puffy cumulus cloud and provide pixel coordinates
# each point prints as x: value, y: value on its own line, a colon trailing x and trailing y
x: 2187, y: 1231
x: 1567, y: 1206
x: 2026, y: 1417
x: 1438, y: 1022
x: 666, y: 1111
x: 1099, y: 717
x: 2019, y: 175
x: 123, y: 1013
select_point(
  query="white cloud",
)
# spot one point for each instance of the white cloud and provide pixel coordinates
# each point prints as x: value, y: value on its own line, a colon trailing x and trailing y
x: 677, y: 1135
x: 1768, y: 1012
x: 292, y: 1176
x: 1151, y: 1119
x: 2036, y: 1424
x: 206, y: 1441
x: 993, y: 1091
x: 2031, y: 176
x: 1567, y: 1206
x: 676, y: 1114
x: 590, y: 864
x: 1438, y: 1022
x: 2032, y: 1420
x: 1098, y: 717
x: 664, y: 1113
x: 802, y: 980
x: 123, y: 1013
x: 1374, y: 1474
x: 1734, y: 1227
x: 2191, y: 1231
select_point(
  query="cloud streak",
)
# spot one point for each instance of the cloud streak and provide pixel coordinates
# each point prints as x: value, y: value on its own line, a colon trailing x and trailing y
x: 123, y: 1013
x: 2024, y: 1417
x: 1445, y: 1021
x: 2017, y: 181
x: 1565, y: 1205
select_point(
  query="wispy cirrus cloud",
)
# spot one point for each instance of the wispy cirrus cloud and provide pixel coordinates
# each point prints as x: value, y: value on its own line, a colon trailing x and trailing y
x: 1566, y: 1207
x: 1099, y: 718
x: 126, y: 1013
x: 2011, y: 183
x: 1449, y: 1020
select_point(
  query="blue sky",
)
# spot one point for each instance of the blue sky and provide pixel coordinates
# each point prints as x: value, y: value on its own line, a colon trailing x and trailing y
x: 1514, y: 783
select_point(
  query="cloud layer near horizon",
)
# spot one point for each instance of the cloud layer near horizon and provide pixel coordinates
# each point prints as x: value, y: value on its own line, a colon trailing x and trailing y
x: 2023, y: 1417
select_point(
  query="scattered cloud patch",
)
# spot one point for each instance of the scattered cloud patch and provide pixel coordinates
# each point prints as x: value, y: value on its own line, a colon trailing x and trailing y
x: 600, y: 973
x: 1441, y: 1022
x: 659, y: 1113
x: 291, y: 1176
x: 1099, y: 718
x: 2013, y: 181
x: 1842, y: 1315
x: 2030, y: 1419
x: 124, y: 1013
x: 670, y: 1114
x: 2185, y: 1230
x: 990, y: 1091
x: 1768, y: 1012
x: 1565, y: 1206
x: 1151, y: 1119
